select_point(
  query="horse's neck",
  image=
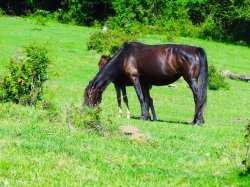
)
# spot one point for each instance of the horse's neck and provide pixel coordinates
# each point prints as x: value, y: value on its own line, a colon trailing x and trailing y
x: 107, y: 74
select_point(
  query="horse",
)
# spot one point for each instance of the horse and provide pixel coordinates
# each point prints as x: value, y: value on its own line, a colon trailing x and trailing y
x: 120, y: 86
x: 158, y: 65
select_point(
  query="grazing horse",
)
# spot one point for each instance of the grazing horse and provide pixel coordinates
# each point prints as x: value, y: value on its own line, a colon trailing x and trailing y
x: 120, y: 86
x: 159, y: 65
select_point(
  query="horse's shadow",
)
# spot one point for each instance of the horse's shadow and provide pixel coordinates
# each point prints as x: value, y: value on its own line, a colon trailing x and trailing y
x: 163, y: 121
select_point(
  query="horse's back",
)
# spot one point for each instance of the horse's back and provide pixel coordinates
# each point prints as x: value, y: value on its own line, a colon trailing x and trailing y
x: 158, y: 64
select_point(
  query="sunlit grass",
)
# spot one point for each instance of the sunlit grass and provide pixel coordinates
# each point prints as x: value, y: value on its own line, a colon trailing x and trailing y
x: 35, y: 151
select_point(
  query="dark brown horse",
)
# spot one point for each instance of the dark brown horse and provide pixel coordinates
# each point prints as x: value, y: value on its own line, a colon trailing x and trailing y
x: 147, y: 65
x: 120, y: 86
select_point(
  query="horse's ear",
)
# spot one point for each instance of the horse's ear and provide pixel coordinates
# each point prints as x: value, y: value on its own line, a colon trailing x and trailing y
x: 88, y: 85
x: 105, y: 57
x: 125, y: 44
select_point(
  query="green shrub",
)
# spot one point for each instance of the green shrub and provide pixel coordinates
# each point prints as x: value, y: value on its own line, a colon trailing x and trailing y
x: 42, y: 13
x: 63, y: 16
x: 2, y: 12
x: 24, y: 79
x: 246, y: 161
x: 215, y: 80
x: 42, y: 16
x: 109, y: 41
x: 85, y: 118
x: 41, y: 20
x: 211, y: 29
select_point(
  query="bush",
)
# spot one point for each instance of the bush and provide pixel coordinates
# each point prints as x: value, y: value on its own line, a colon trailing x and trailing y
x: 78, y: 118
x: 215, y: 80
x: 211, y: 29
x: 1, y: 12
x: 24, y: 79
x: 63, y: 17
x: 41, y: 20
x: 83, y: 117
x: 42, y: 16
x: 42, y: 13
x: 109, y: 41
x: 246, y: 161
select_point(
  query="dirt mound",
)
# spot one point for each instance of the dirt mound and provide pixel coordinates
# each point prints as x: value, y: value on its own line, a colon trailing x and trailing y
x: 133, y: 132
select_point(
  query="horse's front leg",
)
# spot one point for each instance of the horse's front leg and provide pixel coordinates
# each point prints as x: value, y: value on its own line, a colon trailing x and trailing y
x: 125, y: 99
x: 118, y: 97
x: 138, y: 89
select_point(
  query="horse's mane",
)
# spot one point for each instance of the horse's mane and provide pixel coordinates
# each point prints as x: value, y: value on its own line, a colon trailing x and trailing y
x: 96, y: 81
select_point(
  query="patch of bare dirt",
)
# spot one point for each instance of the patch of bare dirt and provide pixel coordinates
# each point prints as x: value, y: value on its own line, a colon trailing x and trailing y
x: 134, y: 133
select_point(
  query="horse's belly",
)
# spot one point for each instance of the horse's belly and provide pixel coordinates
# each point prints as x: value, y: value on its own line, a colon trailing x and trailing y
x: 123, y: 81
x: 163, y: 80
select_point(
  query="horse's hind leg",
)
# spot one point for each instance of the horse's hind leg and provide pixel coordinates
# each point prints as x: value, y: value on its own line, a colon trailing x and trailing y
x: 125, y: 99
x: 118, y: 97
x: 150, y: 103
x: 198, y: 116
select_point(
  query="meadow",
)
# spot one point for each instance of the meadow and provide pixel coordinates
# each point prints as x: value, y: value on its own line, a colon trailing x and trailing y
x: 37, y: 151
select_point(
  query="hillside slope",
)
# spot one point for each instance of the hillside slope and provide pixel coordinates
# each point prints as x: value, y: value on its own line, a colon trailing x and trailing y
x: 37, y: 151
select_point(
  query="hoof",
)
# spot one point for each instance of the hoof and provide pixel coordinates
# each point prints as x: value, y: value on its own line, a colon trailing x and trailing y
x: 145, y: 117
x: 197, y: 122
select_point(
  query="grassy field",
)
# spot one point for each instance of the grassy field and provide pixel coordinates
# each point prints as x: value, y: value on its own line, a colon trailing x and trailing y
x: 35, y: 151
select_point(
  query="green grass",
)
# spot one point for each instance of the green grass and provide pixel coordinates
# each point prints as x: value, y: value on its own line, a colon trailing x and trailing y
x: 35, y: 151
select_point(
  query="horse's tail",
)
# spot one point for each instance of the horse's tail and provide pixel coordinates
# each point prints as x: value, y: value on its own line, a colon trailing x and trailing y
x: 202, y: 78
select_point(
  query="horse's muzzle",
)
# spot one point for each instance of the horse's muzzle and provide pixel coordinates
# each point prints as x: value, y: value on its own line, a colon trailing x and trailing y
x: 88, y: 105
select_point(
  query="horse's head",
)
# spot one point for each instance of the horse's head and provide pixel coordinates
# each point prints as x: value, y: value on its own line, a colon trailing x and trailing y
x: 92, y: 96
x: 103, y: 60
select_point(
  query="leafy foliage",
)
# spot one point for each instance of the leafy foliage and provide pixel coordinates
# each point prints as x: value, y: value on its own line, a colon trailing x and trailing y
x: 83, y: 117
x: 246, y: 162
x: 219, y: 20
x: 227, y: 20
x: 42, y: 13
x: 109, y: 41
x: 24, y: 79
x: 1, y: 12
x: 63, y: 16
x: 215, y: 80
x: 79, y: 118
